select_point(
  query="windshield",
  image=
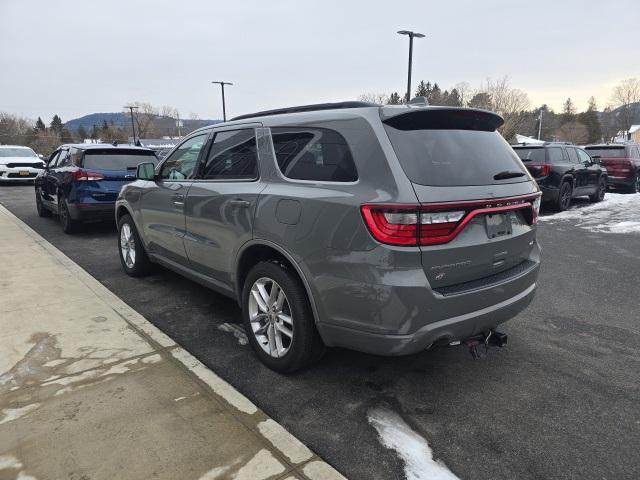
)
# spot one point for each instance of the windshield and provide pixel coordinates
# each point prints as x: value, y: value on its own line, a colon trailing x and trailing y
x: 535, y: 155
x: 606, y: 152
x: 455, y: 157
x: 17, y: 152
x: 117, y: 160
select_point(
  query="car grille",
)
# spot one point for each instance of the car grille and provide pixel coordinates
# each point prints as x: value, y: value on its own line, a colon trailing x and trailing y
x: 28, y: 165
x: 485, y: 282
x: 17, y: 175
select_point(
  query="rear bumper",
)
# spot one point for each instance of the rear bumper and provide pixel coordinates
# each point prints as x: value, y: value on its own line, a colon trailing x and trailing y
x: 549, y: 194
x: 620, y: 182
x: 456, y: 328
x: 91, y: 211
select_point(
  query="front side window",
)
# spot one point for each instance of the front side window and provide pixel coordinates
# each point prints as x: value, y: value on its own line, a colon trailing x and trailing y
x: 182, y: 162
x: 53, y: 159
x: 316, y: 154
x: 233, y: 156
x: 584, y: 156
x: 63, y: 159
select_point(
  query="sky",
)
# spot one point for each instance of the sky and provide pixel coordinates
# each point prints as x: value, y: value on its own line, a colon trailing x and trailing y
x: 75, y: 57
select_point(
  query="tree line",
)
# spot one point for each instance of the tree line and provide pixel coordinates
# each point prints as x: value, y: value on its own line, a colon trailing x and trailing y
x: 569, y: 125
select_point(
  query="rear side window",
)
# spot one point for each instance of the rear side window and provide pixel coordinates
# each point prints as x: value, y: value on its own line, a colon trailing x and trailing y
x: 315, y: 154
x: 573, y: 156
x: 607, y: 152
x: 555, y: 155
x: 233, y: 156
x: 121, y: 159
x: 534, y: 155
x: 453, y: 148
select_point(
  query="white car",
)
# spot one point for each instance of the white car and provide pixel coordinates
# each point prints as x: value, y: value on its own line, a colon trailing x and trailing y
x: 19, y: 164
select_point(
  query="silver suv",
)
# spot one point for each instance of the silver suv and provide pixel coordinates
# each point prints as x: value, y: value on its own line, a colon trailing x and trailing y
x: 381, y: 229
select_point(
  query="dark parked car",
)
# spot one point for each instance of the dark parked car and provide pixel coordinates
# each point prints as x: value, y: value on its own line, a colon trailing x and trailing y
x: 81, y: 182
x: 622, y: 162
x: 382, y: 229
x: 563, y: 171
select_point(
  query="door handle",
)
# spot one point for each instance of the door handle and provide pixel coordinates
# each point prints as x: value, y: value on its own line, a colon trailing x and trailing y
x: 238, y: 202
x: 178, y: 200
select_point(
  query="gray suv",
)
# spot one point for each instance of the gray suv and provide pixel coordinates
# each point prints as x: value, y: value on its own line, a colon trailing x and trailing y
x: 384, y: 229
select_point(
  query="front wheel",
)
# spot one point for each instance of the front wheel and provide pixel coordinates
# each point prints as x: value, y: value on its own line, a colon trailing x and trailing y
x: 133, y: 257
x: 43, y: 211
x: 278, y: 319
x: 635, y: 188
x: 598, y: 196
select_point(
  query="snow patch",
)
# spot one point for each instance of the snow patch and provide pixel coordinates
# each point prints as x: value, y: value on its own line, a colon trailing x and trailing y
x: 414, y: 450
x: 237, y: 332
x: 617, y: 213
x: 11, y: 414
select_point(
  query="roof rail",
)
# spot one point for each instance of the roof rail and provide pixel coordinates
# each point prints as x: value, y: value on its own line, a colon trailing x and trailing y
x: 308, y: 108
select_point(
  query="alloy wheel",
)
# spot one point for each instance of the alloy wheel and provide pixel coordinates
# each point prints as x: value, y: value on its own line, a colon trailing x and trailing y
x: 602, y: 190
x: 270, y: 317
x: 566, y: 196
x: 127, y: 246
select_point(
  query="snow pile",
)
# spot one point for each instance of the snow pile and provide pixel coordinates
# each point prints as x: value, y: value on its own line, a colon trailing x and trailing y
x: 617, y: 213
x: 412, y: 448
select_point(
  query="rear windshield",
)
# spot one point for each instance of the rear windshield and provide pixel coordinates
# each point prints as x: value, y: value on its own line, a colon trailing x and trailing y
x: 435, y: 156
x: 606, y: 152
x: 535, y: 155
x: 117, y: 160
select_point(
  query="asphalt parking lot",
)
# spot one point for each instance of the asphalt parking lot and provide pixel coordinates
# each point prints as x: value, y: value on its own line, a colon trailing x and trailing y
x: 562, y: 400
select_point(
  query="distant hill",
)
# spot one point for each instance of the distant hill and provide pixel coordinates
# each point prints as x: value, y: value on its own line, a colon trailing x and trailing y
x: 123, y: 120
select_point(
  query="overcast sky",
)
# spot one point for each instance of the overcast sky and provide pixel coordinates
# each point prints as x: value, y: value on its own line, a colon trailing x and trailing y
x: 75, y: 57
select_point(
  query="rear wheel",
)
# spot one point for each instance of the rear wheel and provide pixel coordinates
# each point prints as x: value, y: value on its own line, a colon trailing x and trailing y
x: 598, y: 196
x: 564, y: 198
x: 278, y: 319
x: 635, y: 188
x: 133, y: 257
x: 69, y: 225
x: 43, y: 211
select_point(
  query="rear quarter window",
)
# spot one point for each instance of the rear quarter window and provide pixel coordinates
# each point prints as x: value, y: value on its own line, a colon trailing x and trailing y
x: 315, y: 154
x: 111, y: 159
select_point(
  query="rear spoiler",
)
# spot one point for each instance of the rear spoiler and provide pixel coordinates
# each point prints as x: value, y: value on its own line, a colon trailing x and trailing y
x: 441, y: 118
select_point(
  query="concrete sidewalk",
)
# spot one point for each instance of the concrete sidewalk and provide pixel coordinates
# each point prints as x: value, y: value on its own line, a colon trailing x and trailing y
x: 90, y: 390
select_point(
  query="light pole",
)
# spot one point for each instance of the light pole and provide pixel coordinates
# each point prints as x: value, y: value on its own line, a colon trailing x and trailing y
x: 224, y: 108
x: 133, y: 128
x: 411, y: 36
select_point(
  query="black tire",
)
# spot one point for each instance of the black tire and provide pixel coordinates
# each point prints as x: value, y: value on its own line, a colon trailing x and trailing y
x: 306, y: 346
x: 602, y: 190
x: 635, y: 188
x: 563, y: 201
x: 139, y: 265
x: 69, y: 225
x: 43, y: 211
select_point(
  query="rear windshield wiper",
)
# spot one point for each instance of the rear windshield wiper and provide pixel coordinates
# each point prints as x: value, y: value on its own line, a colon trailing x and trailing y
x: 507, y: 174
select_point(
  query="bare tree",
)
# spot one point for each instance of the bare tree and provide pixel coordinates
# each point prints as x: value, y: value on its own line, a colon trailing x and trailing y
x: 574, y: 132
x: 624, y: 96
x: 380, y: 98
x: 144, y: 118
x: 14, y: 129
x: 508, y: 102
x: 464, y: 91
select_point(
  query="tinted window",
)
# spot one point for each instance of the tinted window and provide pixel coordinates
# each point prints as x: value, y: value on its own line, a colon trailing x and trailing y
x: 181, y: 163
x: 573, y: 156
x: 233, y: 156
x: 535, y: 155
x: 584, y: 156
x: 442, y: 157
x: 75, y: 156
x: 121, y: 159
x: 607, y: 152
x: 53, y: 159
x: 555, y: 154
x: 63, y: 159
x: 317, y: 154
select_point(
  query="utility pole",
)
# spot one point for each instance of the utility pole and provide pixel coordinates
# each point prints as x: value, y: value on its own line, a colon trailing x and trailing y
x: 411, y: 36
x: 224, y: 108
x: 179, y: 124
x: 133, y: 127
x: 540, y: 124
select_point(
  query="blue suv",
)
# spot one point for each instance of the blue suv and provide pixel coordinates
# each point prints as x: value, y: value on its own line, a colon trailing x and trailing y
x: 81, y: 182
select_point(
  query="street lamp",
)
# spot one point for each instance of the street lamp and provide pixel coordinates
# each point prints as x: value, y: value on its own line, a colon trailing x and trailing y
x: 411, y: 36
x: 224, y: 108
x: 133, y: 128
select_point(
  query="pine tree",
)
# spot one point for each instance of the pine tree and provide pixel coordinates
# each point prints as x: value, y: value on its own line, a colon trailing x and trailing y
x: 56, y: 124
x: 82, y: 133
x: 423, y: 90
x: 568, y: 111
x: 454, y: 98
x: 435, y: 97
x: 394, y: 99
x: 40, y: 126
x: 591, y: 120
x: 105, y: 127
x: 95, y: 132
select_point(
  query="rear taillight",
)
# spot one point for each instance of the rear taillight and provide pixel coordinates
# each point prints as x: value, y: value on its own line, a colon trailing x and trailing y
x: 434, y: 224
x: 541, y: 169
x: 84, y: 176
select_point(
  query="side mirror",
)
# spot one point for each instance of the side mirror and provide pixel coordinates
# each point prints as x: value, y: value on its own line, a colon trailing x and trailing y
x: 146, y: 171
x: 596, y: 159
x: 41, y: 156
